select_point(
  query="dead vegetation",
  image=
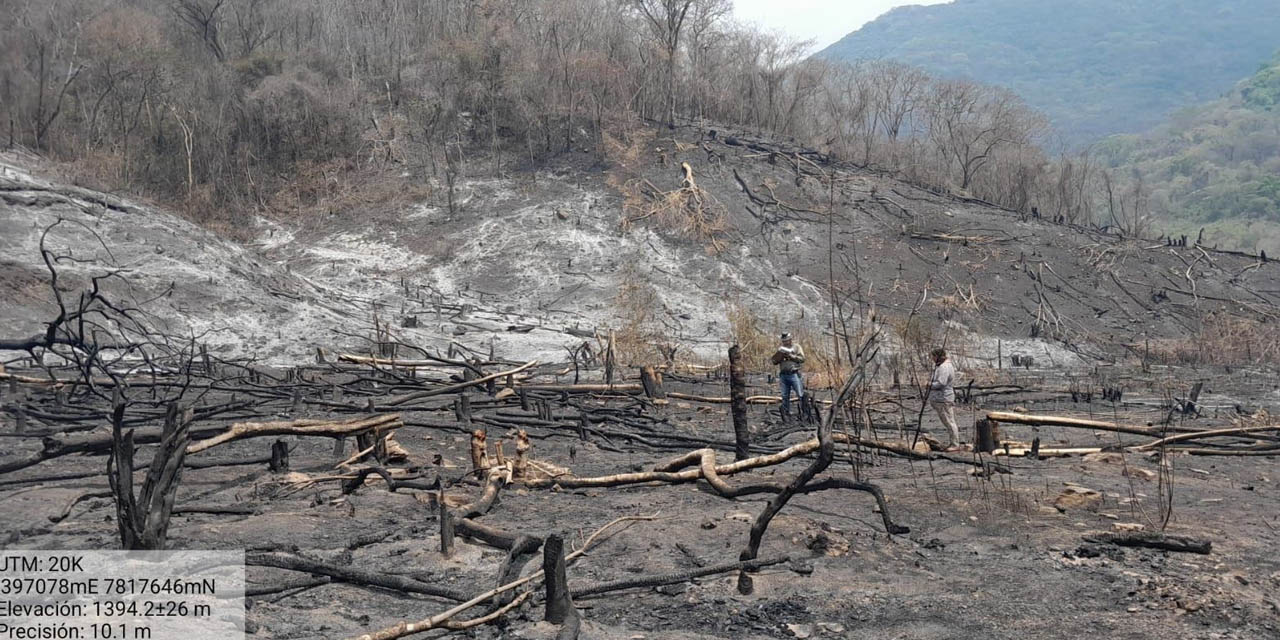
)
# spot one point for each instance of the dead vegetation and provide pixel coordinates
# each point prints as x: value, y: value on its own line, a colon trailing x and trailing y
x: 493, y: 408
x: 1222, y: 339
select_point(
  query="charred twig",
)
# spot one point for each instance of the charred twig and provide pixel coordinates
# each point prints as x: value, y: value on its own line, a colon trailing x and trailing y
x: 674, y: 578
x: 354, y: 575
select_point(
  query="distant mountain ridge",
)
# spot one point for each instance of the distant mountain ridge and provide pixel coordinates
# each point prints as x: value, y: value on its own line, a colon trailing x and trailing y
x: 1095, y: 67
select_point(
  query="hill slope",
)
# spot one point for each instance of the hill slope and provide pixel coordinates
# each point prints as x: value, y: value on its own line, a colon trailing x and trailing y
x: 534, y: 263
x: 1096, y: 67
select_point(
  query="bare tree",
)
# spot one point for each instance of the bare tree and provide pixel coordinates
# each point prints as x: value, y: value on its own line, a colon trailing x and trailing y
x: 50, y: 62
x: 202, y: 17
x: 253, y: 24
x: 898, y: 90
x: 666, y: 20
x: 969, y: 123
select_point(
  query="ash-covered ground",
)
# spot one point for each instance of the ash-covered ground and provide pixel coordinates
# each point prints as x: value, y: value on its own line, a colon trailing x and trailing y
x: 528, y: 261
x: 995, y: 555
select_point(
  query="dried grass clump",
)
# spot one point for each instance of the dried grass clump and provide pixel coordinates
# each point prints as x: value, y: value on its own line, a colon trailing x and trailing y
x: 688, y: 212
x: 640, y: 337
x: 1222, y: 340
x: 1259, y: 418
x: 336, y: 186
x: 961, y: 300
x: 750, y: 334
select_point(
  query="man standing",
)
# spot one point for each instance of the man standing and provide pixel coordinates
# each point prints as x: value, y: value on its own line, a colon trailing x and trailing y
x: 942, y: 395
x: 789, y: 357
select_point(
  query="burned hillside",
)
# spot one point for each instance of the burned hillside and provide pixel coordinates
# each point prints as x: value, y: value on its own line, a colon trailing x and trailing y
x: 394, y: 411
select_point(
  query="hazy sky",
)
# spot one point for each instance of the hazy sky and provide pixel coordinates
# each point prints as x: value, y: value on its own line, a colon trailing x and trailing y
x: 823, y: 21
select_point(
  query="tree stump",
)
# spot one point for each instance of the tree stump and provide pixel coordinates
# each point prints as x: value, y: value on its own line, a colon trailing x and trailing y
x: 279, y: 457
x: 559, y: 606
x: 652, y: 382
x: 446, y: 528
x: 984, y: 439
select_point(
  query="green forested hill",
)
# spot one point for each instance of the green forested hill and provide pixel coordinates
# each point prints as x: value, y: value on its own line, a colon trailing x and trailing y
x: 1215, y: 166
x: 1095, y: 67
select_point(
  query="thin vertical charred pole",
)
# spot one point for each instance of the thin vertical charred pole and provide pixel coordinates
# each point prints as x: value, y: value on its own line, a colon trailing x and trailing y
x: 738, y: 398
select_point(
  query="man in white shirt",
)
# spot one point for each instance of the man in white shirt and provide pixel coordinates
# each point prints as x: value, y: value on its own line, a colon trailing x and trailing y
x: 942, y: 396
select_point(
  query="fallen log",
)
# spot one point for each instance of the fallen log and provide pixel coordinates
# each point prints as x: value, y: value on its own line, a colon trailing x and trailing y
x: 491, y: 536
x: 1150, y: 540
x: 494, y: 481
x: 677, y: 470
x: 96, y: 443
x: 416, y: 395
x: 66, y: 511
x: 1062, y: 421
x: 1182, y: 437
x: 1029, y: 452
x: 308, y: 427
x: 215, y: 509
x: 1268, y: 451
x: 406, y: 364
x: 583, y: 388
x: 717, y: 400
x: 639, y: 388
x: 349, y: 485
x: 188, y: 464
x: 30, y: 380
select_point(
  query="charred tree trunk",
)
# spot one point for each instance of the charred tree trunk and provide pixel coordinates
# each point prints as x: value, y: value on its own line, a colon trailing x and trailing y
x: 144, y: 521
x: 651, y: 380
x: 279, y: 457
x: 559, y: 607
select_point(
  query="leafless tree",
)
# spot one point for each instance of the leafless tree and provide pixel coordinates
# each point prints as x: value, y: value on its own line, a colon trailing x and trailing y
x: 253, y: 25
x: 203, y: 19
x: 666, y: 20
x: 969, y: 123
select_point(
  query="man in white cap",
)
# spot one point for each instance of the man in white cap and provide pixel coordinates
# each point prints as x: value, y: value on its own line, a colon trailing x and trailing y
x: 789, y: 357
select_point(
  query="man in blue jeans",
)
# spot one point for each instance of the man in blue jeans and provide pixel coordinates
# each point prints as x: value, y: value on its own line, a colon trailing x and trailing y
x: 789, y: 357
